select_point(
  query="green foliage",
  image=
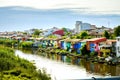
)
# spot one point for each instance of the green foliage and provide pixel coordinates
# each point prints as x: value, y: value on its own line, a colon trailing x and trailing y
x: 106, y: 34
x: 8, y: 42
x: 65, y: 30
x: 92, y: 54
x: 63, y: 51
x: 64, y: 37
x: 6, y: 64
x: 81, y: 35
x: 42, y: 75
x: 25, y: 33
x: 112, y: 36
x: 117, y: 31
x: 84, y: 51
x: 26, y: 44
x: 14, y: 68
x: 1, y: 41
x: 73, y: 37
x: 52, y: 36
x: 36, y: 33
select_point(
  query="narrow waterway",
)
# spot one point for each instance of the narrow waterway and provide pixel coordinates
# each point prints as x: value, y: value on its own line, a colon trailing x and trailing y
x: 60, y: 70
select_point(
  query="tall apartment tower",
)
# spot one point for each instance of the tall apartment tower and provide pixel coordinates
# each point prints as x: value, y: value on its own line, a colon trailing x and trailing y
x: 78, y: 26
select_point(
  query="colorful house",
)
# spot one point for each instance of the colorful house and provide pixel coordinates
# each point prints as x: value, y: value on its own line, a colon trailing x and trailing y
x: 94, y: 44
x: 109, y: 47
x: 105, y: 50
x: 112, y: 43
x: 55, y: 42
x: 84, y: 41
x: 118, y: 46
x: 71, y: 44
x: 50, y: 42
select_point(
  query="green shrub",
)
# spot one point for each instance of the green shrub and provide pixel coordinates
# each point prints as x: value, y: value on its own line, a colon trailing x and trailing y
x: 1, y: 41
x: 14, y: 68
x: 84, y: 51
x: 92, y: 54
x: 26, y: 44
x: 8, y: 42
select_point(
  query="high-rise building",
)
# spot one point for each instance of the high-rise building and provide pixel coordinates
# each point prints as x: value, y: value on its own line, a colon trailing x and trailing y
x: 78, y: 26
x: 85, y: 26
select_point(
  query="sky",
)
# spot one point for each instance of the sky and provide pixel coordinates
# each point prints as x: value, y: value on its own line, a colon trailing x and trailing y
x: 20, y: 15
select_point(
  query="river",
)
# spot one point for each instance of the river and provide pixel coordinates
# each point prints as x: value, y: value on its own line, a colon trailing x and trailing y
x: 60, y: 70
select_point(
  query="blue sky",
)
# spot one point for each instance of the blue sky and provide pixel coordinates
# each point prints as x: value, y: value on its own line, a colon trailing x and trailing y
x: 20, y: 15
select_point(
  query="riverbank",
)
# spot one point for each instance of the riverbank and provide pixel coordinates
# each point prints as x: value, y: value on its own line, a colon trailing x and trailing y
x: 65, y: 68
x: 110, y: 59
x: 14, y: 68
x: 113, y: 61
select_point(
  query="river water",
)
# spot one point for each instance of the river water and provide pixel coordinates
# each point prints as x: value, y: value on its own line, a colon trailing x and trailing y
x: 60, y: 69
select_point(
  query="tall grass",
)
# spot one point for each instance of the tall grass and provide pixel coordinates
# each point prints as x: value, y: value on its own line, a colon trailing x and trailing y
x: 14, y: 68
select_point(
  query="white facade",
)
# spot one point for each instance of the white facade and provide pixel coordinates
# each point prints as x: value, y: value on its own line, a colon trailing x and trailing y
x: 86, y: 26
x: 118, y: 47
x: 79, y: 26
x: 49, y: 31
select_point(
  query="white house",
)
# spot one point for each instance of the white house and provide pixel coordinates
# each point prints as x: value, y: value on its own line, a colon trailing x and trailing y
x: 118, y: 47
x: 49, y: 31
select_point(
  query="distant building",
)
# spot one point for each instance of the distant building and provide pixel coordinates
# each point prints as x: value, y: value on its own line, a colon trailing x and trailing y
x: 86, y: 26
x: 30, y: 32
x: 79, y: 26
x: 98, y: 32
x: 50, y: 31
x: 93, y: 27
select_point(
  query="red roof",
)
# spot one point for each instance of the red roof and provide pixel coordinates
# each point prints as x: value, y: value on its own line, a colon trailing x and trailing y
x: 59, y: 32
x: 97, y: 40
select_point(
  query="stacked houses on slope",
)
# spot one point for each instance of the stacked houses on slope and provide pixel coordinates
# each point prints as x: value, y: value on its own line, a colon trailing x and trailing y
x: 102, y: 46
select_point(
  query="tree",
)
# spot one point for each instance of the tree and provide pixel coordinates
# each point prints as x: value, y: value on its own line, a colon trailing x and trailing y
x: 84, y: 50
x: 82, y: 35
x: 106, y: 34
x: 52, y: 36
x: 25, y: 33
x: 65, y: 30
x: 117, y: 31
x: 37, y: 32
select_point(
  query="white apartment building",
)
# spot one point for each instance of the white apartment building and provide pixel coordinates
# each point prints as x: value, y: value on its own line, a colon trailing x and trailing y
x: 79, y: 26
x: 86, y: 26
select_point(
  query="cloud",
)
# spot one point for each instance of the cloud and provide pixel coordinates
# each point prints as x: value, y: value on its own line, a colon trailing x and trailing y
x: 78, y: 6
x: 17, y: 17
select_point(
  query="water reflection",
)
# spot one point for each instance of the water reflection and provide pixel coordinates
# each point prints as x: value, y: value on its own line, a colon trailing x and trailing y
x: 90, y: 67
x: 57, y: 66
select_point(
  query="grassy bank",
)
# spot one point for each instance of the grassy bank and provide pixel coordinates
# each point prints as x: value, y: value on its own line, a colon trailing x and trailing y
x: 14, y: 68
x: 16, y: 43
